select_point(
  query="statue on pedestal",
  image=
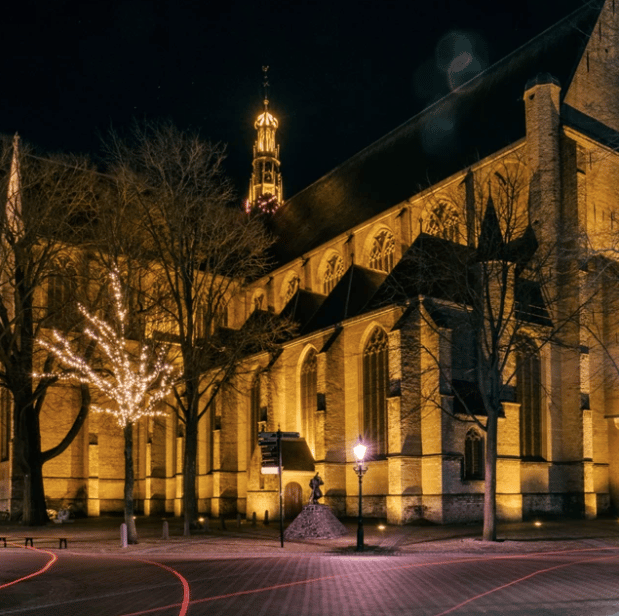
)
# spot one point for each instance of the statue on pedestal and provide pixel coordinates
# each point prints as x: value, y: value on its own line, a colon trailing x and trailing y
x: 315, y: 484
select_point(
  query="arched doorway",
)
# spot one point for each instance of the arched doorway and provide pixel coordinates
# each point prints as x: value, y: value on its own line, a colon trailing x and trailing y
x: 293, y: 500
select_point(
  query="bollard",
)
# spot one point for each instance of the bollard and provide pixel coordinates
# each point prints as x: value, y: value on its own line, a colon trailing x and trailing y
x: 223, y: 522
x: 266, y: 517
x: 253, y: 519
x: 123, y: 535
x: 238, y: 520
x: 166, y: 530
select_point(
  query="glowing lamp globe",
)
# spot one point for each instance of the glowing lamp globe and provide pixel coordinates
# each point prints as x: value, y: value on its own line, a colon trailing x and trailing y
x: 359, y: 450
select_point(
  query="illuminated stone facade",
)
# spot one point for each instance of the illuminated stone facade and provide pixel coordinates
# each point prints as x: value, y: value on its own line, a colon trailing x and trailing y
x: 544, y: 121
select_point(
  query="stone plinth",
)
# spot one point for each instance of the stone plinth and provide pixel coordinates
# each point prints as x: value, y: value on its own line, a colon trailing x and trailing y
x: 315, y: 522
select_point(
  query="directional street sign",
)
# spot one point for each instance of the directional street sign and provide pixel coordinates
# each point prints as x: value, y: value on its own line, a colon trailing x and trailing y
x: 271, y: 450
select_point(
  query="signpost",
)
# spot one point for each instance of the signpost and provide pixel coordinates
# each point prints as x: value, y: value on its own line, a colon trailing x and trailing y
x: 271, y: 450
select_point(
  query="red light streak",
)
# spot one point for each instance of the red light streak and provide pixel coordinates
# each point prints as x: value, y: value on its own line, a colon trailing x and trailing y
x: 43, y: 569
x: 400, y: 567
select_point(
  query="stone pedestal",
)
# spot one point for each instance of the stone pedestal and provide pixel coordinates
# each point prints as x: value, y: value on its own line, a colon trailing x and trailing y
x: 315, y: 522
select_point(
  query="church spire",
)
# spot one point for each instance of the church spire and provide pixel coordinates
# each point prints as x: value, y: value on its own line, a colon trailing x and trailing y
x: 265, y: 184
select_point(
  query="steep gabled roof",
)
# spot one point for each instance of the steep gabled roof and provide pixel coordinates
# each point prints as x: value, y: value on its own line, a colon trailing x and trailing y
x: 302, y: 307
x: 348, y: 298
x: 591, y: 127
x: 432, y: 266
x: 478, y: 118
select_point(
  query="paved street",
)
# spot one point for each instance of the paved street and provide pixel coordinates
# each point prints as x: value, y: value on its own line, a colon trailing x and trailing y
x: 567, y: 569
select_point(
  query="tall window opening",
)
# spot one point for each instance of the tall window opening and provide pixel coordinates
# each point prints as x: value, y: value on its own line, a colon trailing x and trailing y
x: 334, y: 271
x: 254, y: 412
x: 5, y: 424
x: 308, y: 397
x: 61, y: 309
x: 214, y: 417
x: 383, y: 249
x: 444, y: 222
x: 528, y: 393
x: 292, y: 287
x: 473, y: 455
x: 375, y: 388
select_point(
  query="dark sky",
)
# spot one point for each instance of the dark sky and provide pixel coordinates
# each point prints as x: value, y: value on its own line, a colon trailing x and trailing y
x: 342, y: 73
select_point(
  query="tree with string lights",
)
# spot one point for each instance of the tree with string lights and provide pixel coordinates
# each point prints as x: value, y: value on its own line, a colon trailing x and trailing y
x: 133, y: 378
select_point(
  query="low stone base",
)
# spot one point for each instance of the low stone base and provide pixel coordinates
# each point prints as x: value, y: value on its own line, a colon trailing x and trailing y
x: 315, y: 522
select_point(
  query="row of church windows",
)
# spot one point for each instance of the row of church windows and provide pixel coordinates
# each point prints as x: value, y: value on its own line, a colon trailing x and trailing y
x: 443, y: 222
x: 375, y: 380
x: 5, y: 424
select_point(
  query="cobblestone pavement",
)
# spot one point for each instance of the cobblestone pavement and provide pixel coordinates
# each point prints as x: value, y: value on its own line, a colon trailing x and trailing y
x: 103, y: 535
x: 407, y: 570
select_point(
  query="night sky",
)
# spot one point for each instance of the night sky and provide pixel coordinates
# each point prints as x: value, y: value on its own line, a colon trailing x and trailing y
x: 342, y: 74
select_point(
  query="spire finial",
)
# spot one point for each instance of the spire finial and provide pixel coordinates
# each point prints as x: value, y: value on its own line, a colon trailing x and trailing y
x: 265, y: 85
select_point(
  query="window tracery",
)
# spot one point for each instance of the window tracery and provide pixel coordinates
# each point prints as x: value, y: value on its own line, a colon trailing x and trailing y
x: 333, y: 272
x: 259, y: 302
x: 309, y: 376
x: 291, y: 288
x: 444, y: 222
x: 473, y: 455
x: 5, y: 424
x: 528, y: 394
x: 375, y: 389
x: 61, y: 308
x: 382, y: 252
x: 254, y: 411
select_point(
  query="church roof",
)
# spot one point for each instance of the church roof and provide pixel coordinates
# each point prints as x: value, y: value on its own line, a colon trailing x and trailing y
x: 348, y: 298
x: 476, y: 119
x: 432, y: 266
x: 302, y: 307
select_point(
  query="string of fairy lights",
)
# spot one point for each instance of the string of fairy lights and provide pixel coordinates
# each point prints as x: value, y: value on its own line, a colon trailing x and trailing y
x: 134, y: 384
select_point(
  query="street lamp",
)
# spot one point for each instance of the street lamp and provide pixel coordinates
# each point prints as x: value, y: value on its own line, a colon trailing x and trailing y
x: 359, y: 450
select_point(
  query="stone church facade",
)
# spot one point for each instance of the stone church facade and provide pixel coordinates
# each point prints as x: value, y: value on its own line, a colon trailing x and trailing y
x: 541, y: 126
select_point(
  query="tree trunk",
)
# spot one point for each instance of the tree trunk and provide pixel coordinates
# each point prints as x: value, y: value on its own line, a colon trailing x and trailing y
x: 28, y: 456
x: 34, y: 507
x: 489, y: 531
x: 190, y: 505
x: 132, y: 534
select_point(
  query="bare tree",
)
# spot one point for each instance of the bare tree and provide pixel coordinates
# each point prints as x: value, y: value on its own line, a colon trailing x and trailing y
x: 133, y: 381
x: 481, y: 285
x: 44, y: 219
x: 199, y: 253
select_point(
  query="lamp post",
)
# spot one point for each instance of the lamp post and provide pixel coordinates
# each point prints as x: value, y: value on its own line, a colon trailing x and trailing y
x: 359, y: 450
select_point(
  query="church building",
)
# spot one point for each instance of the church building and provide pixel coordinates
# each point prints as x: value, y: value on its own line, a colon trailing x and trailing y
x: 376, y: 263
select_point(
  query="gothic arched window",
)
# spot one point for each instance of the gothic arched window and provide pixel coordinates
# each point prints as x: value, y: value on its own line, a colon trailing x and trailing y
x: 5, y: 424
x: 375, y: 388
x: 291, y: 288
x: 444, y: 222
x: 529, y: 395
x: 259, y: 300
x: 473, y: 455
x: 333, y: 272
x: 254, y: 411
x: 383, y: 249
x: 308, y: 397
x: 61, y: 309
x: 213, y: 426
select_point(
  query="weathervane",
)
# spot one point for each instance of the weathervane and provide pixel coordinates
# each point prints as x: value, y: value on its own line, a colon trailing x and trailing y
x: 265, y: 84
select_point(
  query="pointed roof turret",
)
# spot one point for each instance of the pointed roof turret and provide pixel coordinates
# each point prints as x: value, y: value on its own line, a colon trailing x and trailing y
x: 265, y: 185
x: 490, y: 246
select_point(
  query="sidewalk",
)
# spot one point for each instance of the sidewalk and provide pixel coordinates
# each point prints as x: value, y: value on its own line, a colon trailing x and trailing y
x: 102, y: 535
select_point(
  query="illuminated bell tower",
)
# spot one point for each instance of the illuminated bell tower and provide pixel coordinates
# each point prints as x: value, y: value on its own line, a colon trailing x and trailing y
x: 265, y: 185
